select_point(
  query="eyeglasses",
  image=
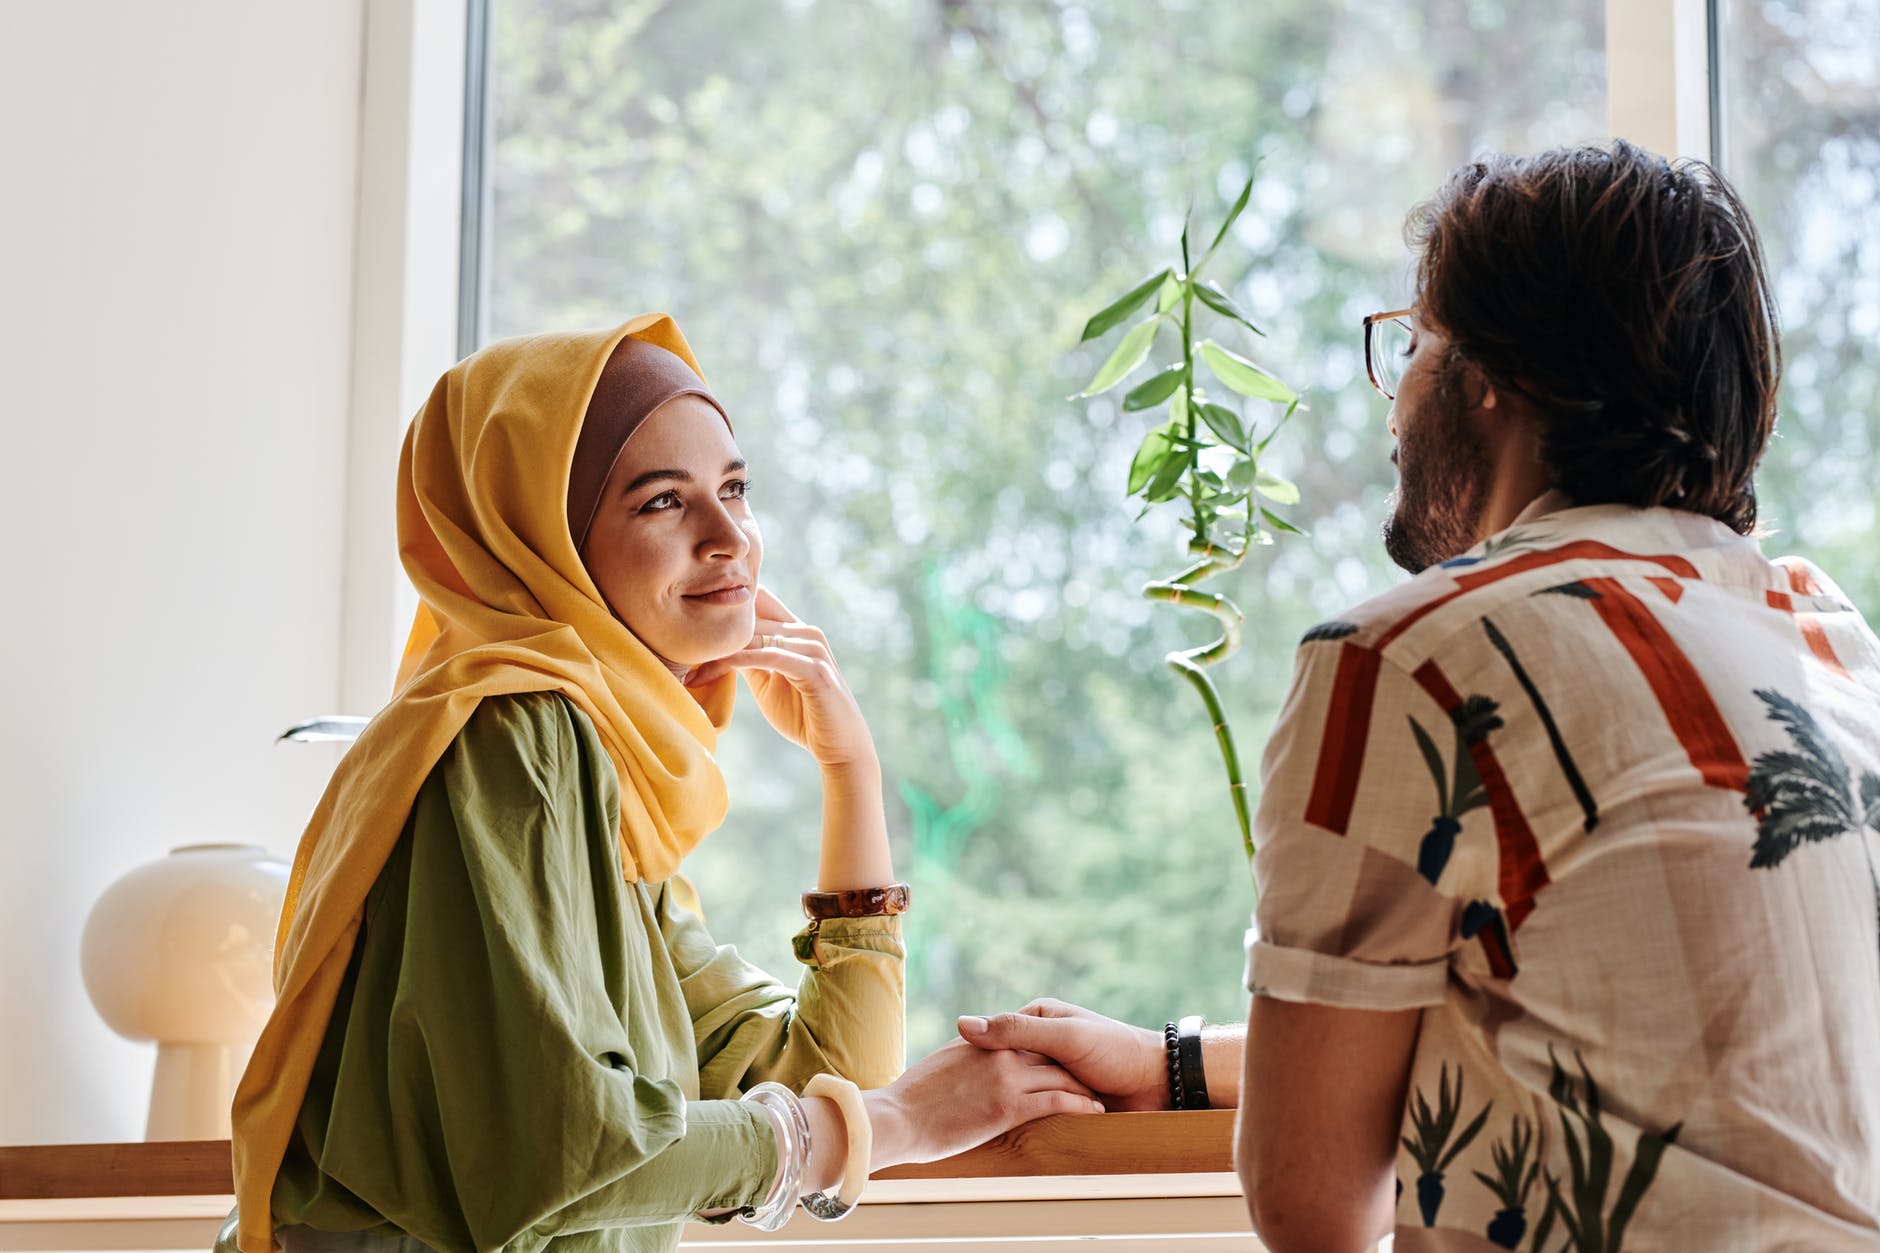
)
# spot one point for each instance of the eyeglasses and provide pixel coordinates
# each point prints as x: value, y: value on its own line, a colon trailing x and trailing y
x: 1387, y: 338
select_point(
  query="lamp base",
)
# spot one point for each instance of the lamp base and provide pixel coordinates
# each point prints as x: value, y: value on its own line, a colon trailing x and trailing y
x: 190, y: 1096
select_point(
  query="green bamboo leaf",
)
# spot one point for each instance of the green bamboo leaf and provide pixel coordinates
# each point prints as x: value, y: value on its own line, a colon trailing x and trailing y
x: 1178, y: 408
x: 1128, y: 355
x: 1214, y: 298
x: 1225, y: 423
x: 1243, y: 375
x: 1155, y: 449
x: 1278, y: 523
x: 1284, y: 418
x: 1169, y: 293
x: 1153, y: 390
x: 1233, y: 215
x: 1117, y: 313
x: 1166, y: 483
x: 1279, y: 491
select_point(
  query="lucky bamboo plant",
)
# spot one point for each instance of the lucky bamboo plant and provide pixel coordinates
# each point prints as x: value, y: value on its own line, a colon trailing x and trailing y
x: 1204, y: 454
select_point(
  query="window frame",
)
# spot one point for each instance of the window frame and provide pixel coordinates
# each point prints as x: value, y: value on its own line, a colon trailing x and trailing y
x: 422, y: 291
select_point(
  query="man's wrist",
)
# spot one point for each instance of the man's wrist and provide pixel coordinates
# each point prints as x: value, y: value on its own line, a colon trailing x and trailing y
x: 1152, y: 1089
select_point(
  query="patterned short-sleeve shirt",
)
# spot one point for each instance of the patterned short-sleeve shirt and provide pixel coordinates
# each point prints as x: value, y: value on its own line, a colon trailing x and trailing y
x: 1602, y: 798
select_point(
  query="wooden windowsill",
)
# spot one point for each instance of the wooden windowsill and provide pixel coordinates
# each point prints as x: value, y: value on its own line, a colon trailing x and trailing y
x: 125, y: 1178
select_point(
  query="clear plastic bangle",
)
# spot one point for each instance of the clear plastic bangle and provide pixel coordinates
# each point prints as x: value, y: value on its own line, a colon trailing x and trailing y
x: 792, y: 1127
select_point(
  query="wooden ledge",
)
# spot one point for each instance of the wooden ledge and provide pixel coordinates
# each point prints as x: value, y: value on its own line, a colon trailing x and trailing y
x: 1169, y: 1142
x: 1188, y: 1142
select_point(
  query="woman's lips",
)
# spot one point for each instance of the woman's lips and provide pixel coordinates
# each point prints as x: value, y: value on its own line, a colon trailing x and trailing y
x: 723, y: 596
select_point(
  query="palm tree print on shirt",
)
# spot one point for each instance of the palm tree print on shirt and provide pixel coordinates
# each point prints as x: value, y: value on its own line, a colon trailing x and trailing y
x: 1555, y: 740
x: 1806, y: 794
x: 1511, y: 1183
x: 1579, y: 1201
x: 1460, y: 791
x: 1434, y: 1148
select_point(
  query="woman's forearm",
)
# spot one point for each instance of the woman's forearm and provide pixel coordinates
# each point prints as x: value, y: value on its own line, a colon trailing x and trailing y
x: 855, y: 829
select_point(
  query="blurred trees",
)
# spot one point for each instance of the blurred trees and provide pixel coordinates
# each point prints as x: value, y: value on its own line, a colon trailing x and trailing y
x: 1801, y: 129
x: 881, y: 224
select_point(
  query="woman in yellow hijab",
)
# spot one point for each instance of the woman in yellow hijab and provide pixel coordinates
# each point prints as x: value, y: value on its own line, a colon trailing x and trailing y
x: 497, y: 1025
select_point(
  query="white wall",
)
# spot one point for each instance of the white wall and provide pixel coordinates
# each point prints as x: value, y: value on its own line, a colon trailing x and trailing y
x: 178, y: 184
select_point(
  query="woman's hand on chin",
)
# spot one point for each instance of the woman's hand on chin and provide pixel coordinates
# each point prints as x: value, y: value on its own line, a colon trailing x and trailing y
x: 793, y: 675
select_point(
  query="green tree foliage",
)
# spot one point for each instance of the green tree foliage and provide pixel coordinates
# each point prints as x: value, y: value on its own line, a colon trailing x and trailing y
x: 881, y: 223
x: 1801, y: 127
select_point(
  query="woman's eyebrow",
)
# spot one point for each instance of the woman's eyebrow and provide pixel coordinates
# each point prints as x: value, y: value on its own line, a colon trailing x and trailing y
x: 677, y: 476
x: 654, y: 476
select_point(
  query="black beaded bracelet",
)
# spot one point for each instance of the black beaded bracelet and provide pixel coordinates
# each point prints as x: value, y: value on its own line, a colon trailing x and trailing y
x: 1171, y: 1042
x: 1188, y: 1052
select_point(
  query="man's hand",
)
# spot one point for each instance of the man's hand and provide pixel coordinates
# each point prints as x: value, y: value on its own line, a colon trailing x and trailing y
x: 1123, y: 1065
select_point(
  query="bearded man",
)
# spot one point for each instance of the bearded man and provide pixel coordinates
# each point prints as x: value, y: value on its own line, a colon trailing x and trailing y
x: 1569, y: 930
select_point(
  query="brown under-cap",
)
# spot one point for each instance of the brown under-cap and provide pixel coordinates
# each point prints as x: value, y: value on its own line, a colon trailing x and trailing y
x: 638, y: 378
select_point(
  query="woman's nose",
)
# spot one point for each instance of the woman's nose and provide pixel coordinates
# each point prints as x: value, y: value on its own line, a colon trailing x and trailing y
x: 724, y: 537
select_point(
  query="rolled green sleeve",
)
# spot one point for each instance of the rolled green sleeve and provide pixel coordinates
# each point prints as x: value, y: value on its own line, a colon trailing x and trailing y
x: 848, y: 1014
x: 512, y: 1062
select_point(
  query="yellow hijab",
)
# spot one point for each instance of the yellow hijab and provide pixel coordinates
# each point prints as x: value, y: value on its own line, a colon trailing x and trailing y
x: 507, y: 607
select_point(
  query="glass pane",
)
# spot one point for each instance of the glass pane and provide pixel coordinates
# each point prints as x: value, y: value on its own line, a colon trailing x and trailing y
x: 882, y: 225
x: 1801, y: 128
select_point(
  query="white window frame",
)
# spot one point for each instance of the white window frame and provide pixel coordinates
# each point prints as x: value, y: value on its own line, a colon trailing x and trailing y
x: 405, y: 306
x: 1661, y: 93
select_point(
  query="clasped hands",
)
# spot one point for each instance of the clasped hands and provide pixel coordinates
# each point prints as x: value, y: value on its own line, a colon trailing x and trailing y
x: 1047, y: 1058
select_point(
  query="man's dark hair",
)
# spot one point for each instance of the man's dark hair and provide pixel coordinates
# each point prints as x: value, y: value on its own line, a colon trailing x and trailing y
x: 1624, y: 296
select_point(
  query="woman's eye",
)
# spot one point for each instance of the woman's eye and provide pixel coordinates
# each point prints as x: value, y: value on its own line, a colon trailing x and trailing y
x: 736, y: 489
x: 663, y: 501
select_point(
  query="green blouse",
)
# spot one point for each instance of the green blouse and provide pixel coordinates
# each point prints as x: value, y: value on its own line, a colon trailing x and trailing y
x: 528, y: 1050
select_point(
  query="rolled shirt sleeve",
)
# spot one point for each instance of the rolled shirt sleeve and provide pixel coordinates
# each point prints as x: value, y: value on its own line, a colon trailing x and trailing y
x: 1372, y: 841
x: 846, y: 1016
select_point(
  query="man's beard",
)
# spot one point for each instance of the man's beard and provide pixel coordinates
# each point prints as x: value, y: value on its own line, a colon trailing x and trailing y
x: 1443, y: 475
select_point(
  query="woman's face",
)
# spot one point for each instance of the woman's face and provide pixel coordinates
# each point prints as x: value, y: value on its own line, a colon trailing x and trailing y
x: 673, y: 546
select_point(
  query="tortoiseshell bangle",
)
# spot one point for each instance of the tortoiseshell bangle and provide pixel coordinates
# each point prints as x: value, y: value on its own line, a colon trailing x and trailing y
x: 858, y: 902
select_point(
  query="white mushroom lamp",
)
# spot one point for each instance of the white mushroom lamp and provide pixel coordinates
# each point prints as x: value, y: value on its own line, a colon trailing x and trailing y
x: 181, y: 951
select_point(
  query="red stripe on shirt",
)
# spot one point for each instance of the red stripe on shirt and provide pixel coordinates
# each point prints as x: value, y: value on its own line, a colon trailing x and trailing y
x: 1673, y: 590
x: 1801, y: 580
x: 1341, y: 747
x: 1522, y: 872
x: 1681, y: 693
x: 1585, y: 549
x: 1813, y: 633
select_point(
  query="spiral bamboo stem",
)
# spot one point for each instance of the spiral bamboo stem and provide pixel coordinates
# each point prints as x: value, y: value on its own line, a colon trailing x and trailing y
x: 1191, y: 663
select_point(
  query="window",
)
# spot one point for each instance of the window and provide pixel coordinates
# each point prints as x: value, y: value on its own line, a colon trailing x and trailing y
x: 1800, y: 87
x: 882, y: 226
